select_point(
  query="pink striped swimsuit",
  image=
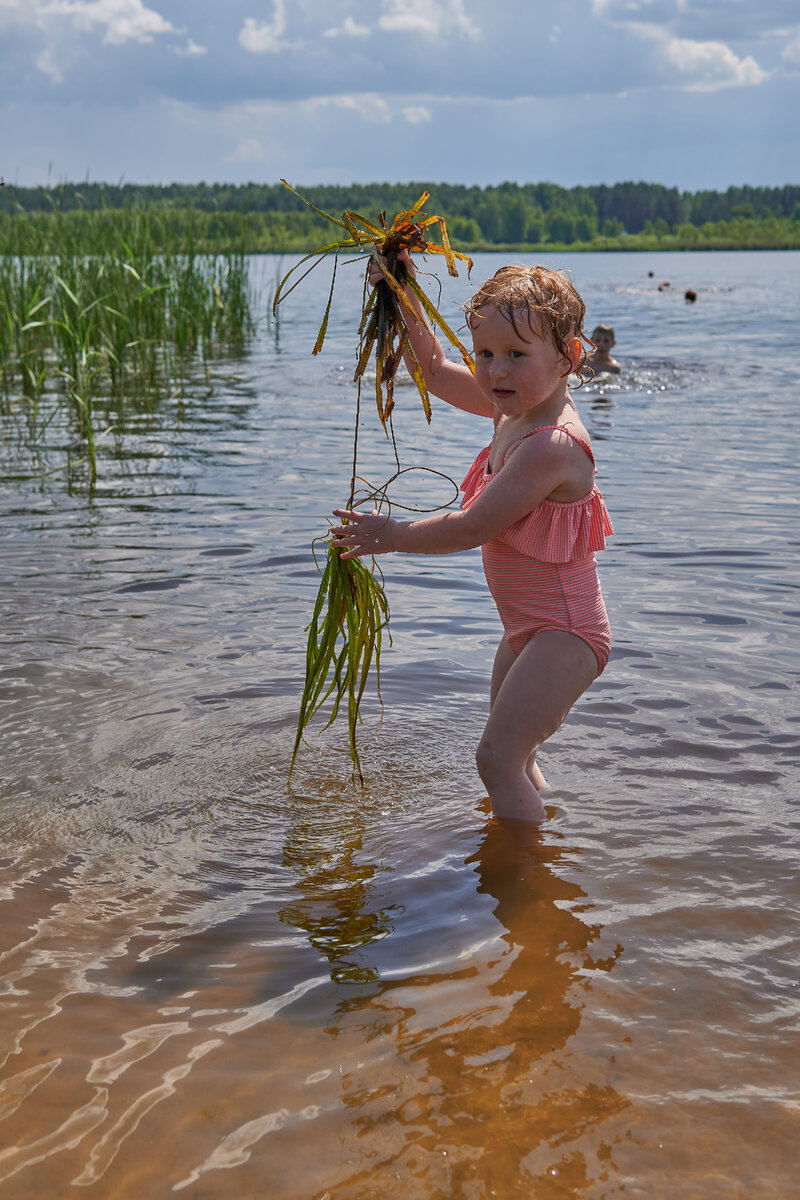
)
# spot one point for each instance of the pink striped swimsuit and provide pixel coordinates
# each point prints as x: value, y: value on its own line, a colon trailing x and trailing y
x: 541, y: 571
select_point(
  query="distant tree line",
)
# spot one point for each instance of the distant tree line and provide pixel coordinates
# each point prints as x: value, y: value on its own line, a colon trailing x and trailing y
x: 268, y: 217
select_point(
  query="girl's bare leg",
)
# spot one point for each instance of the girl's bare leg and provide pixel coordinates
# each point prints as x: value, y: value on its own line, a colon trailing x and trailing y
x: 503, y: 660
x: 533, y: 696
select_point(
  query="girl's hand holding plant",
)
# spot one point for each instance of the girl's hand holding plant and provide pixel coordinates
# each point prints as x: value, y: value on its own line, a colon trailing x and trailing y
x: 364, y: 533
x: 375, y: 275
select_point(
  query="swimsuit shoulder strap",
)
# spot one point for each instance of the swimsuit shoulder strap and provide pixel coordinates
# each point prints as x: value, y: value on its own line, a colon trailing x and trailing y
x: 562, y: 428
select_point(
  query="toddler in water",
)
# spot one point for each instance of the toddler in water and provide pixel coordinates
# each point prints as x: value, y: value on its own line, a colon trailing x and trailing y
x: 600, y: 359
x: 531, y: 502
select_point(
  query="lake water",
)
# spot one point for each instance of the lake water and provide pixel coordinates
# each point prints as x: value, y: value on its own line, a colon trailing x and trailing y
x: 220, y: 986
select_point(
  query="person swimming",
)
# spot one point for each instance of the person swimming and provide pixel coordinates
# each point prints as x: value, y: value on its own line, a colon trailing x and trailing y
x: 600, y: 359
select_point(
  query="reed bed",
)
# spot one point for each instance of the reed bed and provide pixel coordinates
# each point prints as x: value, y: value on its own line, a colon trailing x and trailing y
x: 99, y: 309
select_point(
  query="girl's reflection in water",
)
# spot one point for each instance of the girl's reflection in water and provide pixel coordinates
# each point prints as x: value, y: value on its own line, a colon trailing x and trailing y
x: 464, y: 1075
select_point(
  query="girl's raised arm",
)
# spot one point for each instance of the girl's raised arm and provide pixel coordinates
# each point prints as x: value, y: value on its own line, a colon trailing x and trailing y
x: 452, y: 382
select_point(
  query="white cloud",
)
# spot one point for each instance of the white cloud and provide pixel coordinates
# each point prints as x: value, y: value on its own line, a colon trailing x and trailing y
x: 124, y: 20
x: 12, y: 13
x: 191, y: 50
x: 427, y: 18
x: 48, y: 64
x: 710, y: 65
x: 695, y: 64
x: 248, y: 150
x: 729, y: 22
x: 270, y: 132
x: 265, y: 37
x: 622, y: 10
x: 791, y: 52
x: 369, y: 106
x: 349, y: 28
x: 416, y: 114
x: 120, y: 21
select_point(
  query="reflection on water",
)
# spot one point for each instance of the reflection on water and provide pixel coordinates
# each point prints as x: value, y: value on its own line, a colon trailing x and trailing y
x: 219, y: 986
x: 462, y: 1076
x: 488, y: 1065
x: 330, y: 899
x: 438, y: 1060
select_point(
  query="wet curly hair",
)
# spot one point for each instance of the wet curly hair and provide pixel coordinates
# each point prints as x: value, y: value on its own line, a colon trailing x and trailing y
x: 516, y: 290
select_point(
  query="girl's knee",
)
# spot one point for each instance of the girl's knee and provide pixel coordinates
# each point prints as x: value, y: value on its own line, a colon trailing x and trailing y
x: 494, y: 762
x: 483, y: 759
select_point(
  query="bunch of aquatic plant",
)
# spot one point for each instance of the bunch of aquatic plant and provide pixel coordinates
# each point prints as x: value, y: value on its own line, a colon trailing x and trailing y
x: 382, y: 332
x: 351, y: 603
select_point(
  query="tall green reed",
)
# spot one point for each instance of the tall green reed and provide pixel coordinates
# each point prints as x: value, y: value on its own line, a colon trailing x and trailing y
x: 113, y: 310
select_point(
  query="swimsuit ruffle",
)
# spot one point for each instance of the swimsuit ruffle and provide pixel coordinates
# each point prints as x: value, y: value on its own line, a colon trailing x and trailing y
x: 555, y: 531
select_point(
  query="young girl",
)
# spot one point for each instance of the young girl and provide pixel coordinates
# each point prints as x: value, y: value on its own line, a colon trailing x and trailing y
x: 530, y: 501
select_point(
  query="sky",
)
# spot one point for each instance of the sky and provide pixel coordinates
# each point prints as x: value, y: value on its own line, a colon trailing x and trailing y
x: 689, y: 93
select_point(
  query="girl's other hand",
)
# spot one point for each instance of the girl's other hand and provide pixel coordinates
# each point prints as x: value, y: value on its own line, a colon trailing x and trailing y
x: 374, y: 274
x: 364, y: 533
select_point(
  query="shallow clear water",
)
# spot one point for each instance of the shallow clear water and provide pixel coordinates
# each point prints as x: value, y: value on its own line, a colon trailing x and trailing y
x: 218, y: 985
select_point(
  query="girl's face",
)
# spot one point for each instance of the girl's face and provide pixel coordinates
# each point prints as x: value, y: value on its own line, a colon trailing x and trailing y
x: 518, y: 370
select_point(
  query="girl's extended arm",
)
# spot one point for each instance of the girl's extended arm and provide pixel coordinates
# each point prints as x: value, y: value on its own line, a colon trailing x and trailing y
x: 450, y: 381
x: 537, y: 468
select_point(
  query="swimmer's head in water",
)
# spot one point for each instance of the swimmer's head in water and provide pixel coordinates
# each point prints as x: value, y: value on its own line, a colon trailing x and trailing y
x: 603, y: 337
x: 520, y: 292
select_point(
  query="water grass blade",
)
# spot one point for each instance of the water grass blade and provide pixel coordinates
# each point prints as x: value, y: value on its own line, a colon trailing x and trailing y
x: 327, y: 216
x: 318, y: 255
x: 370, y: 227
x: 370, y: 334
x: 324, y: 326
x: 358, y: 236
x: 438, y: 320
x: 408, y: 215
x: 419, y: 379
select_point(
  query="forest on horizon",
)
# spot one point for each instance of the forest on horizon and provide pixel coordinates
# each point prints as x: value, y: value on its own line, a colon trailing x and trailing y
x: 269, y: 218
